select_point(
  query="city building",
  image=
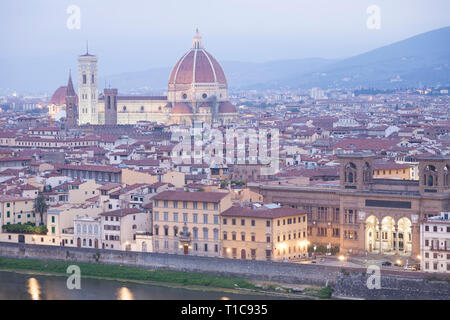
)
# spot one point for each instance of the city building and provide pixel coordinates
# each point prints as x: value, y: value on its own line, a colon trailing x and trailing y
x: 197, y: 92
x: 264, y: 233
x: 435, y: 243
x: 188, y: 222
x: 363, y: 214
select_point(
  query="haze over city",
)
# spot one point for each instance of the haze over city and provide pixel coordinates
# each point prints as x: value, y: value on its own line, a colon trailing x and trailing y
x: 224, y: 150
x: 138, y: 35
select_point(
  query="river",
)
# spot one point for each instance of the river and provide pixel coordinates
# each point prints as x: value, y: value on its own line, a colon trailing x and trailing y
x: 22, y: 286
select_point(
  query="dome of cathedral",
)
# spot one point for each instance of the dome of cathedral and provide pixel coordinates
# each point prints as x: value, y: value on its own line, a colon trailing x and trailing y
x: 59, y: 97
x: 197, y: 66
x: 227, y: 107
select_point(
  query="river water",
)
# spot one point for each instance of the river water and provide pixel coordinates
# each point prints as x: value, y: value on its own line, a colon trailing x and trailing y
x: 20, y: 286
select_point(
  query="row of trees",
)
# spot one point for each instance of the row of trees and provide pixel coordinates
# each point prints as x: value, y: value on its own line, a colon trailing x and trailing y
x: 28, y: 228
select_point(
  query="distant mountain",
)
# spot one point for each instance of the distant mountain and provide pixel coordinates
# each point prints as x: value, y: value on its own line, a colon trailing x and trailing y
x: 244, y: 75
x: 422, y: 59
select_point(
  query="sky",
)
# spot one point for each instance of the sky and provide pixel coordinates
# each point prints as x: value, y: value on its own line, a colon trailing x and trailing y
x: 135, y: 35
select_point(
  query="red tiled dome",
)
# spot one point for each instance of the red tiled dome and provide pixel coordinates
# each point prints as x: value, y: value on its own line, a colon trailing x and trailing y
x: 197, y: 66
x: 181, y: 108
x: 59, y: 97
x: 227, y: 107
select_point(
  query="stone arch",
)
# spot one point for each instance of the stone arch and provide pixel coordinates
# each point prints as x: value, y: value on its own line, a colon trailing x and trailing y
x: 404, y: 235
x: 446, y: 175
x: 372, y: 234
x: 367, y: 172
x: 387, y: 234
x: 430, y: 176
x: 350, y: 172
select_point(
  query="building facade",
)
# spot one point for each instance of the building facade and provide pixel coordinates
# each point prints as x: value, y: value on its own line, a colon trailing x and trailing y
x: 364, y: 214
x: 188, y: 222
x: 435, y: 244
x: 197, y: 92
x: 274, y: 234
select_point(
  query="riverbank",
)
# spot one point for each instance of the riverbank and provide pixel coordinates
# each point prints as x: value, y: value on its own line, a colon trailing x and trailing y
x: 179, y: 279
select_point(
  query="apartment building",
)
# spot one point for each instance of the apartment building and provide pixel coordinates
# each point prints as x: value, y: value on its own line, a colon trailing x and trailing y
x: 188, y: 222
x: 119, y: 227
x: 267, y: 232
x: 435, y: 243
x: 16, y: 210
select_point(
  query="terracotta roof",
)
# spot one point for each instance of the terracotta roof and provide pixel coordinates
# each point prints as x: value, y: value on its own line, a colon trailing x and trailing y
x: 89, y: 168
x: 240, y: 211
x: 181, y: 108
x: 207, y: 69
x: 121, y: 212
x: 191, y: 196
x: 227, y: 107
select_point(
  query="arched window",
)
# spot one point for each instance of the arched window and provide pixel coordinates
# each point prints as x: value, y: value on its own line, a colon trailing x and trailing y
x: 350, y: 177
x: 350, y: 173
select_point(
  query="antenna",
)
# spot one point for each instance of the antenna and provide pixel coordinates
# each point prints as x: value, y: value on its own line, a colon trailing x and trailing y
x: 87, y: 47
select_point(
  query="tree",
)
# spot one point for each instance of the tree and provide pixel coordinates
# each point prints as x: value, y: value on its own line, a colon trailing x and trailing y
x: 41, y: 206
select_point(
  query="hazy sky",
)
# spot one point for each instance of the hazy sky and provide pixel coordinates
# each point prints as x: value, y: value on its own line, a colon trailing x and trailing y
x: 134, y: 35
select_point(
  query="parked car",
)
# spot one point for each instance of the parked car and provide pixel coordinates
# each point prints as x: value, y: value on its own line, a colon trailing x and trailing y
x: 411, y: 267
x: 386, y: 264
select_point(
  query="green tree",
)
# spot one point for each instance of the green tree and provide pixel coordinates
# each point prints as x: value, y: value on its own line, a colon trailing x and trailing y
x: 41, y: 207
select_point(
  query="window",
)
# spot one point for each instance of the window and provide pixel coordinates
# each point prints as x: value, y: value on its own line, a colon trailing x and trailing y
x: 242, y: 222
x: 175, y: 217
x: 156, y: 216
x: 175, y: 204
x: 53, y: 219
x: 224, y: 220
x: 233, y: 222
x: 195, y: 205
x: 185, y: 217
x: 195, y: 218
x: 253, y: 223
x: 268, y: 223
x: 205, y: 205
x: 216, y: 206
x: 166, y: 216
x: 184, y: 204
x: 216, y: 219
x: 205, y: 218
x: 268, y: 239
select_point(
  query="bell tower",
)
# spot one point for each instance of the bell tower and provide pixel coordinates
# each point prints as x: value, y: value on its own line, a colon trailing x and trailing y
x: 110, y: 100
x: 71, y: 105
x: 87, y: 89
x: 356, y: 171
x: 434, y: 177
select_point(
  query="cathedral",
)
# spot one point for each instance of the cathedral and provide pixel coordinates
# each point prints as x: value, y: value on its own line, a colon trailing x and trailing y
x: 197, y: 92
